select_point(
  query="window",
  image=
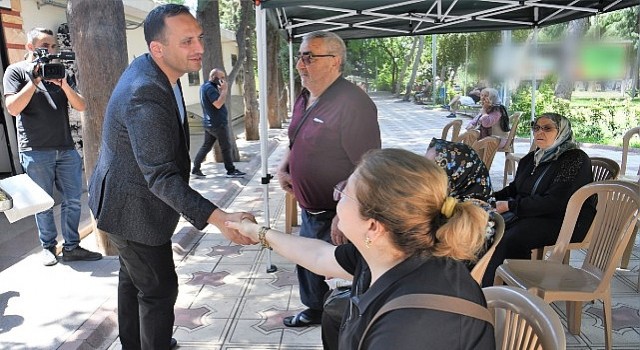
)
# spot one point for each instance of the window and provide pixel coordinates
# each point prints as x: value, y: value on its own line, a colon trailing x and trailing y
x: 194, y: 78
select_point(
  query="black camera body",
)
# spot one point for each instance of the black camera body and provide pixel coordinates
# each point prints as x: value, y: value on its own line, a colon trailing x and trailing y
x: 49, y: 70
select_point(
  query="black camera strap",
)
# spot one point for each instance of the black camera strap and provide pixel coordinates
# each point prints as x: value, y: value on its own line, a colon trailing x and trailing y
x: 304, y: 118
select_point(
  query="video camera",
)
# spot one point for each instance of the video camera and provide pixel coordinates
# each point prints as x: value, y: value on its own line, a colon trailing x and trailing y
x: 48, y: 70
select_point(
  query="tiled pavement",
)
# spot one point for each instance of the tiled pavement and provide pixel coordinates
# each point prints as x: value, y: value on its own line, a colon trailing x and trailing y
x: 227, y: 299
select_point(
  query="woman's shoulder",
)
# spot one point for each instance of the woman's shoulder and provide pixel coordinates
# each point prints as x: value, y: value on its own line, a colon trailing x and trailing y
x: 448, y: 277
x: 575, y: 155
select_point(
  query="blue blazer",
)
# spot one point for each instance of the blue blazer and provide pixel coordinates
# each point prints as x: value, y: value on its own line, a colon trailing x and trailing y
x: 140, y: 185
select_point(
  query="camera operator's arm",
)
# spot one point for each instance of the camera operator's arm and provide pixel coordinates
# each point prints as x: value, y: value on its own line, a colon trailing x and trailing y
x: 75, y: 99
x: 18, y: 101
x: 222, y: 88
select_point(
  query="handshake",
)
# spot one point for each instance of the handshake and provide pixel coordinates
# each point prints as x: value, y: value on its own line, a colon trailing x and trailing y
x: 237, y: 227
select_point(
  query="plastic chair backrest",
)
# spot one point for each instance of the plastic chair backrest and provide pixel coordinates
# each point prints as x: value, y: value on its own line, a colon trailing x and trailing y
x: 455, y: 126
x: 523, y: 320
x: 604, y: 168
x: 613, y: 224
x: 514, y: 121
x: 486, y: 149
x: 481, y: 266
x: 625, y: 148
x: 468, y: 137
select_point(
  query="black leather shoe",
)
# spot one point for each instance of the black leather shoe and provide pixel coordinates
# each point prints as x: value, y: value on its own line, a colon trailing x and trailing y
x: 174, y: 343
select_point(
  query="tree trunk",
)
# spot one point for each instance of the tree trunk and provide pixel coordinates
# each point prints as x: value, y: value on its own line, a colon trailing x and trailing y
x: 414, y: 71
x: 97, y: 30
x: 273, y: 86
x: 284, y: 96
x: 405, y: 65
x: 251, y: 112
x: 635, y: 70
x: 574, y: 34
x: 208, y: 16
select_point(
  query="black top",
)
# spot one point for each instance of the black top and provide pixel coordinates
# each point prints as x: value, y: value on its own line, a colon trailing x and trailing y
x: 212, y: 117
x: 411, y: 328
x: 564, y: 177
x: 44, y: 123
x: 140, y: 185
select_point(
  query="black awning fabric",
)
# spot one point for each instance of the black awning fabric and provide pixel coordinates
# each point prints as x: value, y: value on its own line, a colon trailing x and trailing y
x: 356, y: 19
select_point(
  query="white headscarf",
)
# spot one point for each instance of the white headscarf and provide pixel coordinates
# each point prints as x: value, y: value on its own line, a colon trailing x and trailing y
x: 564, y: 140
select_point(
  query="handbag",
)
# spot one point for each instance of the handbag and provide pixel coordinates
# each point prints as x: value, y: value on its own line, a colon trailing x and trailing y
x: 433, y: 302
x: 509, y: 216
x: 337, y: 302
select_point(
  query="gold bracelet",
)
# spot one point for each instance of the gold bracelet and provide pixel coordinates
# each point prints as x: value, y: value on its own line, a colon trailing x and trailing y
x: 262, y: 232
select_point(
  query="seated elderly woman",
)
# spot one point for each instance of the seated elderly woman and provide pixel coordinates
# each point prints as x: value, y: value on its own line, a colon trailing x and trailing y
x: 493, y: 119
x: 406, y: 236
x: 468, y: 180
x: 534, y: 204
x: 468, y: 176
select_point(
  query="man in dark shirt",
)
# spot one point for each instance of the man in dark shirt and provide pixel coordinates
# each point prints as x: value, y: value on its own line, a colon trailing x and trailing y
x: 213, y: 94
x: 47, y: 150
x: 333, y: 124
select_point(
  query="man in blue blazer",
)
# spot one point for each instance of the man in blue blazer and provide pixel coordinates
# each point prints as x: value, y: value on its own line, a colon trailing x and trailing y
x: 140, y: 185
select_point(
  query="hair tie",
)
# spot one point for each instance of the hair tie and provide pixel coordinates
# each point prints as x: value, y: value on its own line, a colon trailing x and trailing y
x: 448, y: 206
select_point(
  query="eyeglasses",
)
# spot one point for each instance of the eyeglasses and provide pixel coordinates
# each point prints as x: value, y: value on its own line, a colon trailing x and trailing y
x: 307, y: 57
x: 338, y: 191
x: 545, y: 128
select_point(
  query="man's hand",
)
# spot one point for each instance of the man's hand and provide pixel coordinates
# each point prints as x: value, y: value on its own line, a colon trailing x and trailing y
x: 222, y: 85
x: 285, y: 181
x: 337, y: 237
x: 219, y: 217
x: 34, y: 73
x: 246, y: 227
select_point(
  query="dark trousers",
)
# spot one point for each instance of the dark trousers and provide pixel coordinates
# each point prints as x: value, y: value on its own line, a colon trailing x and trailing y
x: 147, y: 293
x: 221, y: 134
x: 519, y: 239
x: 312, y: 286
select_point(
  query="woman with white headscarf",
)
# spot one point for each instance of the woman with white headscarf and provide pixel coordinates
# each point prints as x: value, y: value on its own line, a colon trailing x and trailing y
x: 534, y: 204
x: 493, y: 119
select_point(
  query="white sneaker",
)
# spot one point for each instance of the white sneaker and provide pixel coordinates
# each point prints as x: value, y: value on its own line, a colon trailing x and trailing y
x: 48, y: 256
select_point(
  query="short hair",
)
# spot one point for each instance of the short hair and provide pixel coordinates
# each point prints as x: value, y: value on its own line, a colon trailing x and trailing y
x: 213, y: 72
x: 154, y: 23
x: 334, y: 44
x: 405, y: 193
x: 36, y: 33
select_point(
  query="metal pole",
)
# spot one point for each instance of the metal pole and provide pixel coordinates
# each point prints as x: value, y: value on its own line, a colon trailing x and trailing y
x: 534, y: 73
x: 261, y: 36
x: 466, y: 64
x: 506, y: 44
x: 434, y: 62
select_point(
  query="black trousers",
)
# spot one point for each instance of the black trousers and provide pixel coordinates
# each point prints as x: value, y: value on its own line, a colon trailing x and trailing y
x: 147, y: 293
x: 220, y: 133
x: 519, y: 239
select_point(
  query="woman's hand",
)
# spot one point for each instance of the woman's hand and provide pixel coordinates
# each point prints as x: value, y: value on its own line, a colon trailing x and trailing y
x: 502, y: 206
x: 246, y: 227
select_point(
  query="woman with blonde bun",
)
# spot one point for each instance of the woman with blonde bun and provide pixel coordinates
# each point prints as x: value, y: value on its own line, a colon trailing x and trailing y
x: 407, y: 236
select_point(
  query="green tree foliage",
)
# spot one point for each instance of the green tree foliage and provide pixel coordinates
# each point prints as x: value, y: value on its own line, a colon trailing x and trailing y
x: 600, y: 120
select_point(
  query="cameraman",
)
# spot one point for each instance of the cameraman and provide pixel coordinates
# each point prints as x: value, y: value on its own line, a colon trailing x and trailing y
x: 213, y: 94
x: 47, y: 150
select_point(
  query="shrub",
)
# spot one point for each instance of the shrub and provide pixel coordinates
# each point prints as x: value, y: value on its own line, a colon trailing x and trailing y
x: 602, y: 121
